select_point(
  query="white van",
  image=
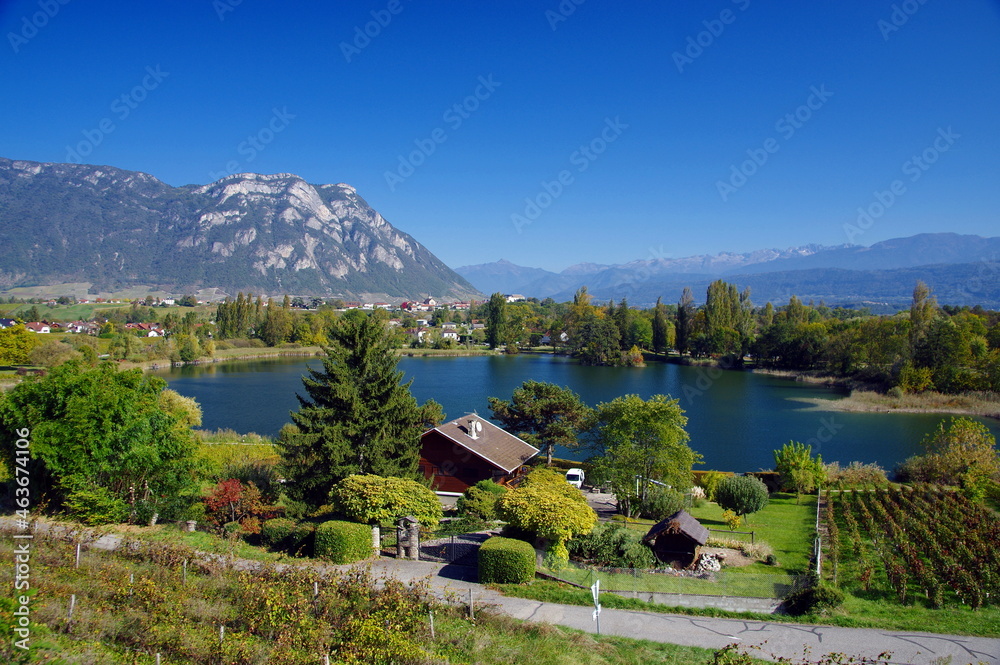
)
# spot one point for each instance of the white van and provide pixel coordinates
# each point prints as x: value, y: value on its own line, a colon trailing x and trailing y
x: 575, y: 477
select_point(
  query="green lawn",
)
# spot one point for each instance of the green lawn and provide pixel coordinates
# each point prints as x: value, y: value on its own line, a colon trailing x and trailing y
x: 786, y: 526
x: 783, y: 524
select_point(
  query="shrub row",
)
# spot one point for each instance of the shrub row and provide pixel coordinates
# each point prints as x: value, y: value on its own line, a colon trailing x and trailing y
x: 286, y: 535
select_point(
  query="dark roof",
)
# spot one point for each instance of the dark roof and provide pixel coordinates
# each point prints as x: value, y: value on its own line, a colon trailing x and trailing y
x: 679, y: 522
x: 495, y: 445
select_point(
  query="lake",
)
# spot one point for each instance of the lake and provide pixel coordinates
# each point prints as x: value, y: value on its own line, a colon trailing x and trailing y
x: 735, y: 419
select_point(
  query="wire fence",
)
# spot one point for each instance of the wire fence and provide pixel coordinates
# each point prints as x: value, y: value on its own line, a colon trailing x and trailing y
x: 735, y: 583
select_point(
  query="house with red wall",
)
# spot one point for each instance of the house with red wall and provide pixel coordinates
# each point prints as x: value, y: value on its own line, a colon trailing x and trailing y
x: 459, y: 453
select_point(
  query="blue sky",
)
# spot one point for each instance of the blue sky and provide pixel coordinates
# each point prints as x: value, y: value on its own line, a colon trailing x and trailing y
x: 600, y: 132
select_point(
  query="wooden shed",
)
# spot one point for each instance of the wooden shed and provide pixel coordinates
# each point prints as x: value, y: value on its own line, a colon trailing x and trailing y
x: 676, y: 540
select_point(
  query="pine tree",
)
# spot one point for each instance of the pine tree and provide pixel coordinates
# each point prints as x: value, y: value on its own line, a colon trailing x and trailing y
x: 357, y: 417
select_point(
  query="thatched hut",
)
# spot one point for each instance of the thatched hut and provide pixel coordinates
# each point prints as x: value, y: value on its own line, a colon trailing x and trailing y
x: 676, y: 540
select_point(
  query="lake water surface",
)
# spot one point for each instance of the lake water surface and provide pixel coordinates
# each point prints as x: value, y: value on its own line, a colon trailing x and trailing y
x: 735, y: 419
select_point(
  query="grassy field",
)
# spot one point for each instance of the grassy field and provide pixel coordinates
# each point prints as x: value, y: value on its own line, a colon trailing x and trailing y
x: 784, y: 525
x: 127, y: 609
x: 79, y: 312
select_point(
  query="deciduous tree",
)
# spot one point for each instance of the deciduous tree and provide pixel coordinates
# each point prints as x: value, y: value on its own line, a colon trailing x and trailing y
x: 640, y: 440
x: 98, y: 428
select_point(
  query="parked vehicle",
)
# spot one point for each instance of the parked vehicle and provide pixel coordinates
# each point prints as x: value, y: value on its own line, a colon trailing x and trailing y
x: 575, y: 477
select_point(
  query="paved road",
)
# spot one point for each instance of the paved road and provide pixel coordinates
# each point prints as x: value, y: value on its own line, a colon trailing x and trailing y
x: 782, y: 639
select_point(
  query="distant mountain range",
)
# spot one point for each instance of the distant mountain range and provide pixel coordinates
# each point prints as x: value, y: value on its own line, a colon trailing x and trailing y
x: 960, y: 269
x: 270, y: 234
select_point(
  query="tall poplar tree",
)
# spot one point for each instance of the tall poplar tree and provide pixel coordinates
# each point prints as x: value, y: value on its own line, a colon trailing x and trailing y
x: 496, y: 320
x: 685, y: 321
x: 660, y: 325
x: 357, y: 416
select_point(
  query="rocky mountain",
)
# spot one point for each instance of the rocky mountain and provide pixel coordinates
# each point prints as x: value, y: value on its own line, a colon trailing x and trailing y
x: 507, y: 277
x: 272, y: 234
x: 960, y: 270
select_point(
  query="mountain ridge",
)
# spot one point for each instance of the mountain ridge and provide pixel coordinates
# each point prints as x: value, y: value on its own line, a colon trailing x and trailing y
x: 276, y: 233
x: 961, y: 269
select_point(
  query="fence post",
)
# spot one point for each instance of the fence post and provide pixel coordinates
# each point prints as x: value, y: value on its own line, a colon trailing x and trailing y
x: 72, y: 604
x: 77, y: 556
x: 472, y: 612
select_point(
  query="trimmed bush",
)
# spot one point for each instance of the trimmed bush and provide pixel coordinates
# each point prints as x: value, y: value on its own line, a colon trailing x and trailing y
x: 371, y: 499
x: 275, y: 533
x: 814, y: 600
x: 343, y: 542
x: 506, y: 561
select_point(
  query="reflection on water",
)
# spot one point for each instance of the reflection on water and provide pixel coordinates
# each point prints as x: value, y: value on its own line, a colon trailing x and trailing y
x: 735, y: 419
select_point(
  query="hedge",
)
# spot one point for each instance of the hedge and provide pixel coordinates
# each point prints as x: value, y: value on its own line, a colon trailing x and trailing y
x: 343, y: 542
x: 275, y: 533
x: 506, y: 561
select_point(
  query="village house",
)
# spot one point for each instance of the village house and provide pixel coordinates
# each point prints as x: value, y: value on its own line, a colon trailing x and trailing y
x: 38, y: 327
x: 7, y: 323
x: 458, y: 454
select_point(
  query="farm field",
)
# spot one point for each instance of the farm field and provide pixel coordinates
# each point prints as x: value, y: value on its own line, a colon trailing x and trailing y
x: 920, y: 558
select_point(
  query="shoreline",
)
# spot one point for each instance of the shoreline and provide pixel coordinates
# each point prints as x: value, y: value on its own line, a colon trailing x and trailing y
x: 269, y: 353
x: 864, y: 401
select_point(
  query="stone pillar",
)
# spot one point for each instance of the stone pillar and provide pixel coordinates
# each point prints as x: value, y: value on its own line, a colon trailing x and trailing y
x: 376, y: 539
x: 413, y: 542
x: 400, y: 538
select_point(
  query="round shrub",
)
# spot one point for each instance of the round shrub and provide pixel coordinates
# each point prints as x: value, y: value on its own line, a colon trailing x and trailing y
x: 370, y: 499
x: 506, y: 561
x: 276, y: 532
x: 742, y: 494
x: 816, y: 599
x: 343, y: 542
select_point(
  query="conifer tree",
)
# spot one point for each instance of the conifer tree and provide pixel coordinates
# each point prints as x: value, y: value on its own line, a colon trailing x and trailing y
x: 356, y: 418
